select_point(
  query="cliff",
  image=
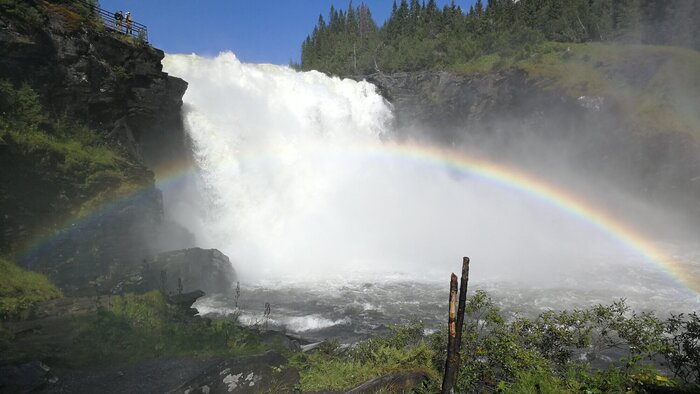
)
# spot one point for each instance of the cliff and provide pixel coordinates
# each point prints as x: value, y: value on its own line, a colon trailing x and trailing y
x: 613, y: 114
x: 101, y: 115
x: 83, y: 71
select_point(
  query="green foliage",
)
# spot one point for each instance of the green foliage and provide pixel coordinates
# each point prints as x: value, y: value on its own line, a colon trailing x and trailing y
x: 327, y: 373
x: 422, y: 36
x: 403, y: 349
x: 144, y: 326
x: 491, y: 350
x: 538, y: 355
x: 683, y: 346
x: 19, y: 108
x: 20, y: 289
x: 580, y: 380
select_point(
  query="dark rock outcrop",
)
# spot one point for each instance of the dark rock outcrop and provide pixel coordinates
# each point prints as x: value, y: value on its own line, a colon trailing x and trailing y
x: 25, y: 378
x: 253, y: 374
x: 511, y: 116
x: 159, y: 375
x: 83, y: 71
x: 89, y: 75
x: 196, y: 269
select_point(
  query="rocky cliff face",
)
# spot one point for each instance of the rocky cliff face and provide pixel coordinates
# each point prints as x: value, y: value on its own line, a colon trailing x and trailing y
x: 86, y: 74
x: 511, y: 116
x: 83, y: 71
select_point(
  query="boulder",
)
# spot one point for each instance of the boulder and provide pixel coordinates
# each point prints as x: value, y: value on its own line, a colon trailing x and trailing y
x: 207, y: 270
x: 252, y: 374
x: 25, y: 378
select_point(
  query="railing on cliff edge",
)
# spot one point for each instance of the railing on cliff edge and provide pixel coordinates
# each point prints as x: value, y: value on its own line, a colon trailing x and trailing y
x: 136, y: 30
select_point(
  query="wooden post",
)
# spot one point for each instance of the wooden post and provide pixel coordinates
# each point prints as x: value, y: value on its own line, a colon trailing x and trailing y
x: 462, y: 305
x: 448, y: 381
x: 455, y: 324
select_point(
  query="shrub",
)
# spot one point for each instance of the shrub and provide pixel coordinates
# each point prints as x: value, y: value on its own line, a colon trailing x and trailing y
x: 682, y: 349
x: 19, y: 107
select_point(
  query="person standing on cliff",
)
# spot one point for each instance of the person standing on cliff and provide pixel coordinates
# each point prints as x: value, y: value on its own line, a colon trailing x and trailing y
x: 118, y: 20
x: 129, y: 21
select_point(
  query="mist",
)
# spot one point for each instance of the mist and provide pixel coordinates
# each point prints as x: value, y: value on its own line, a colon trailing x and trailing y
x: 293, y: 185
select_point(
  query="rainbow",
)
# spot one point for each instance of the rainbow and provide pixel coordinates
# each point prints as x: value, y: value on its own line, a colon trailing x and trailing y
x: 529, y: 185
x: 500, y: 174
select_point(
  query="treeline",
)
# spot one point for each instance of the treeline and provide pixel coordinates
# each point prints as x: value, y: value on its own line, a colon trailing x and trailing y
x: 421, y: 35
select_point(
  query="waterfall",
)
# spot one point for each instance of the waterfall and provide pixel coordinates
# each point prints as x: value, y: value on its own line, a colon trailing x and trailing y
x: 297, y: 184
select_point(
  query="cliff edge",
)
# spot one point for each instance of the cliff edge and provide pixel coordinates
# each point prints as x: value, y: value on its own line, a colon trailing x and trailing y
x: 87, y: 113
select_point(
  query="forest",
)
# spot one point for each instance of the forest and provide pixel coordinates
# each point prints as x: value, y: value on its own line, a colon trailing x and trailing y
x: 420, y: 35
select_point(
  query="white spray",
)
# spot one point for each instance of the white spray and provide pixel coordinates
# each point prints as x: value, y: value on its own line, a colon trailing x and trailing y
x: 292, y: 192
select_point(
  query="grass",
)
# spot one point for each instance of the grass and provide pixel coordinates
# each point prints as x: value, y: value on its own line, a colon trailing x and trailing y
x: 656, y: 86
x: 20, y: 289
x: 138, y: 327
x: 481, y: 65
x: 97, y: 173
x: 403, y: 350
x: 581, y: 380
x: 76, y: 155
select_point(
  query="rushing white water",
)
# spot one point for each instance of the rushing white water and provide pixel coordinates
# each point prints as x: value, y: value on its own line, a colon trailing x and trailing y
x: 295, y: 189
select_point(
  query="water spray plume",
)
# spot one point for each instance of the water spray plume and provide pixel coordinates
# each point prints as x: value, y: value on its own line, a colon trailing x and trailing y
x: 301, y: 179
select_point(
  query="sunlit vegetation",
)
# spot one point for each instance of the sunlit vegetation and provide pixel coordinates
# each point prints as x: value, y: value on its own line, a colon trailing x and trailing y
x: 331, y: 368
x: 551, y: 353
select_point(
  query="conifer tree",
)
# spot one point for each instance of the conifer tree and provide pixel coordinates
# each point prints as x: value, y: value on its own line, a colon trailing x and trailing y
x: 419, y: 35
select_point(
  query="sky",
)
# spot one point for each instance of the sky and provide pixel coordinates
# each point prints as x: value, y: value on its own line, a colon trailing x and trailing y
x: 257, y: 31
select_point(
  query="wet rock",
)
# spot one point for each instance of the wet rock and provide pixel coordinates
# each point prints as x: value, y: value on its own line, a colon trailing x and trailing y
x: 185, y: 300
x: 279, y: 340
x: 311, y: 346
x: 253, y: 374
x: 161, y: 375
x: 392, y: 383
x: 592, y: 102
x: 25, y: 378
x: 208, y: 270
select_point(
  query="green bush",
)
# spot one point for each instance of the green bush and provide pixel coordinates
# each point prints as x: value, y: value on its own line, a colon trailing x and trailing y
x: 537, y: 355
x: 682, y: 346
x: 19, y: 107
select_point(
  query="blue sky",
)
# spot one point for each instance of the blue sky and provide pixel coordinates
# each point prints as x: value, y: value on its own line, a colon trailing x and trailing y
x: 257, y: 31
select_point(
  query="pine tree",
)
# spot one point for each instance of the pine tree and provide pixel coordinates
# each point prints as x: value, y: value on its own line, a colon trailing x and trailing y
x: 351, y: 23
